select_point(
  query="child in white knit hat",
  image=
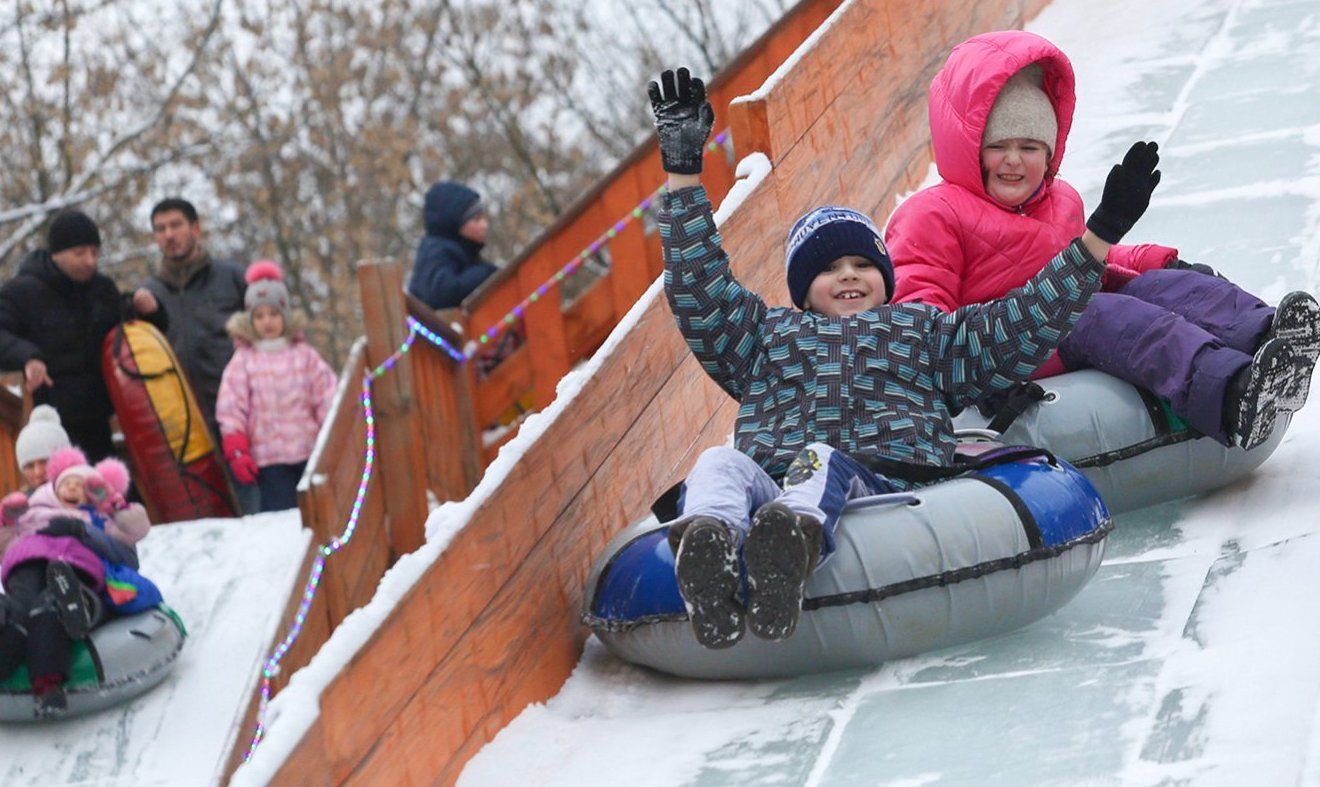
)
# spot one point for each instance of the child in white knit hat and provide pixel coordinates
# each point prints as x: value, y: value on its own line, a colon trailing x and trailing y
x: 42, y: 437
x: 274, y: 393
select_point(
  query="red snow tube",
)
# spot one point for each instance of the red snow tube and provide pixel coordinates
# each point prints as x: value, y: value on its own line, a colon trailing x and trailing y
x: 176, y: 466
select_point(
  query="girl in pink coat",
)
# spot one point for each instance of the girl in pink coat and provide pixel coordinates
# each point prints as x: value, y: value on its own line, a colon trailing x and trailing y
x: 54, y: 565
x: 274, y: 393
x: 1000, y: 112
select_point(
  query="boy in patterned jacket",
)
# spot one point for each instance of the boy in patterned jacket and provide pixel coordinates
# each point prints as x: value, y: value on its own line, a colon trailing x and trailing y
x: 834, y: 391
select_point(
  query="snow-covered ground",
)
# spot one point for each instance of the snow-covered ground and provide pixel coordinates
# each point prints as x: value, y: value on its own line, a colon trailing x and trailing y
x: 1194, y: 655
x: 228, y: 579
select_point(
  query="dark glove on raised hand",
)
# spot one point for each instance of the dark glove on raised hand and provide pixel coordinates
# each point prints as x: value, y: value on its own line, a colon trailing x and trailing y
x: 1199, y: 267
x: 683, y: 119
x: 1127, y: 193
x: 64, y: 526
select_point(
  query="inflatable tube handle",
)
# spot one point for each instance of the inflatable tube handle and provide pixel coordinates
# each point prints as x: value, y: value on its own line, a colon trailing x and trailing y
x: 988, y: 434
x: 890, y: 498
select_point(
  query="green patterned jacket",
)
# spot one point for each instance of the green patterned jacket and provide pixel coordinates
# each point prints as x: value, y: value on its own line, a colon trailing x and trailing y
x: 881, y: 383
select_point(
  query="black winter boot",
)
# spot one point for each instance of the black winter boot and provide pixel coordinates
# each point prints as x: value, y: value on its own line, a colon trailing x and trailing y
x: 66, y: 596
x: 782, y: 550
x: 1297, y: 321
x: 1278, y: 380
x: 706, y: 567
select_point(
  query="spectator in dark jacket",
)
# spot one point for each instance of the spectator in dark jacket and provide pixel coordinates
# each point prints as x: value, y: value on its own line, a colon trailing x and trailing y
x: 449, y: 266
x: 54, y: 316
x: 199, y: 293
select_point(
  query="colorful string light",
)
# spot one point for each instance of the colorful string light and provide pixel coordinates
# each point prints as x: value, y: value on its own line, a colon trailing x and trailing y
x: 271, y: 668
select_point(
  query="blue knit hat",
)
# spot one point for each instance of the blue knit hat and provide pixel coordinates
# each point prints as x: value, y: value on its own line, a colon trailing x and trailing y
x: 823, y: 236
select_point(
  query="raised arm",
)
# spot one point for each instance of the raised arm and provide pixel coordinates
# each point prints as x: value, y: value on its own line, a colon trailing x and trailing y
x: 718, y: 317
x: 990, y: 346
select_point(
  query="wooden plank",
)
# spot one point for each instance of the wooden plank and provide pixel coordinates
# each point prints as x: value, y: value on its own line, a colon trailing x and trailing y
x: 398, y: 424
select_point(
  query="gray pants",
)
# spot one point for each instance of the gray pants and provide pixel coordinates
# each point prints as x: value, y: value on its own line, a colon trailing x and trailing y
x: 726, y: 484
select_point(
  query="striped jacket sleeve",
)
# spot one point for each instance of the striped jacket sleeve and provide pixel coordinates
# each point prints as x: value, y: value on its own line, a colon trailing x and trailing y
x: 719, y: 318
x: 990, y: 346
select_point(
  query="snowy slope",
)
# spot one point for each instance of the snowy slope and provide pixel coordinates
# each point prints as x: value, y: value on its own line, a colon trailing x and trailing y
x: 228, y: 579
x: 1194, y: 656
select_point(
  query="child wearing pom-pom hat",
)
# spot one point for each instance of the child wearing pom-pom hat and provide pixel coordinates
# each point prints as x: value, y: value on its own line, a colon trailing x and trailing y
x: 54, y: 564
x: 274, y: 393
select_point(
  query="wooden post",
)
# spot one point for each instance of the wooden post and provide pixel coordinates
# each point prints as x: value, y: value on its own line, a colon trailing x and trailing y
x: 401, y: 461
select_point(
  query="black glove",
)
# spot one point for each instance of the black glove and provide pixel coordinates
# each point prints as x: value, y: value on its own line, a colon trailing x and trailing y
x: 683, y: 119
x: 1199, y: 267
x: 1127, y: 193
x: 64, y: 526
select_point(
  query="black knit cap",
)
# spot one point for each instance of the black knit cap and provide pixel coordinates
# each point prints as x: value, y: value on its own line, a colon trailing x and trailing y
x: 71, y: 229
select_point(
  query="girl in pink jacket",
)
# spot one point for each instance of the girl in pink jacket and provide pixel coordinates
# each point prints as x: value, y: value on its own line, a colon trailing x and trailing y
x: 274, y: 393
x: 54, y: 565
x: 1000, y: 112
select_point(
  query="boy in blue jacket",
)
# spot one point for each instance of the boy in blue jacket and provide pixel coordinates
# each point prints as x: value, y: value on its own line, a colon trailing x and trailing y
x: 839, y: 390
x: 449, y: 265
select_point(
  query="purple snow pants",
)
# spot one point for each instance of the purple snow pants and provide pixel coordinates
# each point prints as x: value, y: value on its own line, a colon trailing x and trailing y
x: 1178, y: 333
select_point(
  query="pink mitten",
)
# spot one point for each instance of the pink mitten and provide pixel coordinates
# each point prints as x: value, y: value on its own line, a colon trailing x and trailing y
x: 105, y: 499
x: 13, y: 506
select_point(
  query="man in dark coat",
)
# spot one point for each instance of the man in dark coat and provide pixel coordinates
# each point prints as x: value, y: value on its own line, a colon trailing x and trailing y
x: 54, y: 316
x: 448, y: 265
x: 200, y: 293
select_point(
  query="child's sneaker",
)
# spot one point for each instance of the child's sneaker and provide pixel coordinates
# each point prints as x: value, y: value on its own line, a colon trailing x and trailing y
x: 706, y: 567
x: 781, y: 551
x: 48, y: 698
x: 71, y: 605
x: 1297, y: 321
x: 1278, y: 380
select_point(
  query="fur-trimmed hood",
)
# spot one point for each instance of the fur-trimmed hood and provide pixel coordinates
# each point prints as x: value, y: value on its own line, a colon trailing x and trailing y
x: 240, y: 328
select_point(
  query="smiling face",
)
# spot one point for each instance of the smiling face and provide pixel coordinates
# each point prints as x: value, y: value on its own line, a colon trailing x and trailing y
x: 850, y: 285
x: 1014, y: 169
x: 70, y: 490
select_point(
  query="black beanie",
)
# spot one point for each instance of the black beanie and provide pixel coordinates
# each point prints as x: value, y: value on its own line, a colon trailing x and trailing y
x: 71, y: 229
x: 823, y: 236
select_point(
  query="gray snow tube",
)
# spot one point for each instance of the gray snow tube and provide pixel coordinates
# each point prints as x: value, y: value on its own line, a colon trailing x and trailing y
x: 117, y: 662
x: 1126, y: 441
x: 954, y: 562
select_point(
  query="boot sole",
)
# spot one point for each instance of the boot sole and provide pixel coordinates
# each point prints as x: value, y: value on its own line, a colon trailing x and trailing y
x: 70, y: 606
x: 1280, y: 383
x: 707, y: 573
x: 1297, y: 321
x: 775, y: 556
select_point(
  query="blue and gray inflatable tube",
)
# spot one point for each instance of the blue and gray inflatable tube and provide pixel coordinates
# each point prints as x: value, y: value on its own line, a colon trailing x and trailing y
x: 118, y: 661
x: 950, y: 563
x: 1126, y: 441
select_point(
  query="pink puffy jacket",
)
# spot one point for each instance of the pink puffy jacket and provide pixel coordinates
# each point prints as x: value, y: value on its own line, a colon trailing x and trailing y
x: 952, y: 244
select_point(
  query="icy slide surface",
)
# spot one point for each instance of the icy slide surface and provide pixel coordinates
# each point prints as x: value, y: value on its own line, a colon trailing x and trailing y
x: 1194, y: 655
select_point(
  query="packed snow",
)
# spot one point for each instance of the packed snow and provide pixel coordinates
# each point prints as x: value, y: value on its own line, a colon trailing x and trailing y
x: 1194, y: 655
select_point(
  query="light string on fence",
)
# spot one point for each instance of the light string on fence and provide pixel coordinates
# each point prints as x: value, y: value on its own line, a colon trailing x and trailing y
x: 271, y: 668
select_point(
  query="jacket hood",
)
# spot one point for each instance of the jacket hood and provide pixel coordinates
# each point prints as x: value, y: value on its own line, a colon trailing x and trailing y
x: 964, y: 91
x: 446, y: 202
x: 240, y: 328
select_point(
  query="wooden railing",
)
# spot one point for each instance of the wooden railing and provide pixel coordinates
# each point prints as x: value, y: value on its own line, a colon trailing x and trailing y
x: 13, y: 414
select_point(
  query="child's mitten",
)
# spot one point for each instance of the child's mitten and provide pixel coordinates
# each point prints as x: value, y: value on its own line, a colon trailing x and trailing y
x: 239, y: 453
x: 13, y: 506
x: 102, y: 495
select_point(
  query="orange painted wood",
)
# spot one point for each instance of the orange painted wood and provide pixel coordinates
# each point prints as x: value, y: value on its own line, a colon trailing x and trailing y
x: 403, y: 479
